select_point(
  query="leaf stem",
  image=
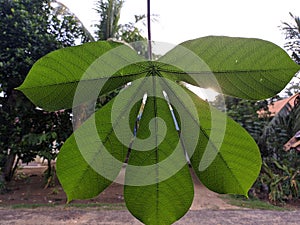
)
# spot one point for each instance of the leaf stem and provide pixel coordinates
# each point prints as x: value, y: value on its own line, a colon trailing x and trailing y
x: 149, y: 30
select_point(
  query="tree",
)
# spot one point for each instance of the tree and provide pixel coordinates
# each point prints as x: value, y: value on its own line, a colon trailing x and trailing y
x: 29, y: 29
x: 280, y: 170
x: 110, y: 28
x: 292, y: 35
x: 244, y: 112
x: 109, y: 12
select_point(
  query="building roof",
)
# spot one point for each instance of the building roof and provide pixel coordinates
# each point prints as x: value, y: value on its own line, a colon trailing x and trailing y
x: 276, y: 107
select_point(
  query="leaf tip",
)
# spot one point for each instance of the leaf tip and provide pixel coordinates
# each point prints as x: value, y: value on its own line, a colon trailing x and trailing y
x: 18, y: 88
x: 69, y: 200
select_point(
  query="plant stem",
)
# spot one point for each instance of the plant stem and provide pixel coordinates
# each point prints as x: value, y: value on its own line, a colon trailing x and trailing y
x: 149, y: 30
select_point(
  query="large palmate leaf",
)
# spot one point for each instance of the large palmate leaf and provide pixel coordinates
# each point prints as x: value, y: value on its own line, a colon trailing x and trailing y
x: 157, y: 136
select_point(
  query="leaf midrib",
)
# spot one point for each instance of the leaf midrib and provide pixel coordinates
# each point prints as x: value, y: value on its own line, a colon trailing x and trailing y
x: 204, y: 72
x: 77, y: 81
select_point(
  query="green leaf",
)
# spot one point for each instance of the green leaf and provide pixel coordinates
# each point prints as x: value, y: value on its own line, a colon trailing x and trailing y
x: 170, y: 192
x: 52, y: 82
x: 91, y: 158
x: 78, y: 179
x: 242, y: 67
x: 158, y: 187
x: 161, y: 203
x: 227, y: 159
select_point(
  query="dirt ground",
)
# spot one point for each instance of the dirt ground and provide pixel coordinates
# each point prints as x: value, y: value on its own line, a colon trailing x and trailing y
x: 62, y: 216
x: 28, y: 188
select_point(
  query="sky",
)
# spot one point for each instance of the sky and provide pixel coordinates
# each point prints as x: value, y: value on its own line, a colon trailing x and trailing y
x: 178, y: 21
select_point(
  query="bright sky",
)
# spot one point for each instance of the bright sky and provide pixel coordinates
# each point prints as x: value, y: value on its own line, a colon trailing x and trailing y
x: 179, y: 21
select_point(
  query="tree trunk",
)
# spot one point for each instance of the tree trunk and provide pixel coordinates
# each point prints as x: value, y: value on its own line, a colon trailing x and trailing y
x: 2, y: 183
x: 15, y: 166
x: 49, y: 168
x: 8, y: 167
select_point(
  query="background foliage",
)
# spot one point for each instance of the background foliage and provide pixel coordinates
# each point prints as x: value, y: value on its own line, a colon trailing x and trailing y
x: 29, y: 29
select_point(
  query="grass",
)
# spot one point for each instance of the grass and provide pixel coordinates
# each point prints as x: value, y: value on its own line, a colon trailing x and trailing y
x: 106, y: 206
x: 251, y: 203
x: 100, y: 206
x: 27, y: 206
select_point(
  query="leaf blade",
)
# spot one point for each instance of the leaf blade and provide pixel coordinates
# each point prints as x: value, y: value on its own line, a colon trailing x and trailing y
x: 89, y: 162
x: 241, y: 67
x: 234, y: 157
x: 166, y: 192
x: 52, y: 82
x: 167, y: 206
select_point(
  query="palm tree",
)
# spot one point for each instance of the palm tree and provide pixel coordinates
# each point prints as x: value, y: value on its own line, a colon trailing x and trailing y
x: 109, y: 12
x: 292, y: 34
x: 109, y: 26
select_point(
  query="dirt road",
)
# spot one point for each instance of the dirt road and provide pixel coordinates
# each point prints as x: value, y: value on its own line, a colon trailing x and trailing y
x: 60, y: 216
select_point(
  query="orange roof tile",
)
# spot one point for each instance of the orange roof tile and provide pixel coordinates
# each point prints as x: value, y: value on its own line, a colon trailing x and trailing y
x: 275, y: 107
